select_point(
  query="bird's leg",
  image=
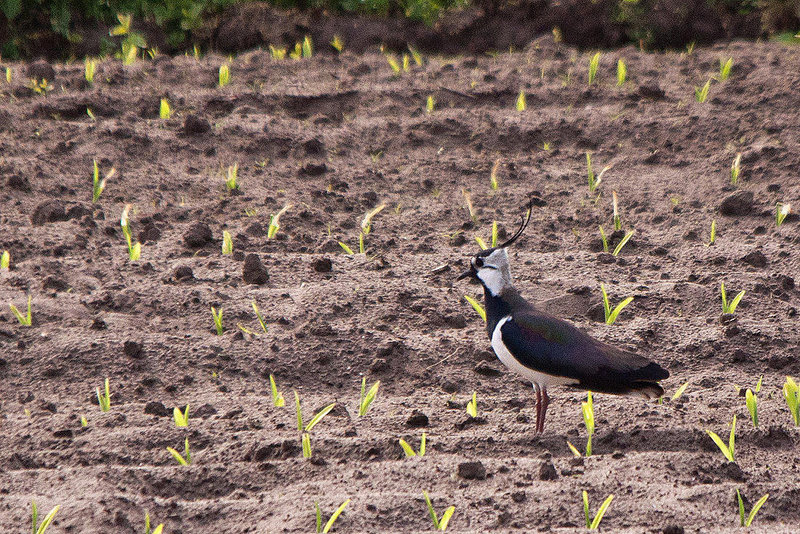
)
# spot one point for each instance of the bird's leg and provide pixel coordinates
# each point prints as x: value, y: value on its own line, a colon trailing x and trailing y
x: 538, y: 405
x: 545, y: 403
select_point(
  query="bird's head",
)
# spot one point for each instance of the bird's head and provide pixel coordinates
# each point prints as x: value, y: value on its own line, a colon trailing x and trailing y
x: 490, y: 267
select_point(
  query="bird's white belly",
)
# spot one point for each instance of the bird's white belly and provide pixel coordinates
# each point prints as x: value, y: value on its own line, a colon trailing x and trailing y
x: 536, y: 377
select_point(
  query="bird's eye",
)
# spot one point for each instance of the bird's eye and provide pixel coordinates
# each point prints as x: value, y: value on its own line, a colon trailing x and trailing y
x: 478, y: 262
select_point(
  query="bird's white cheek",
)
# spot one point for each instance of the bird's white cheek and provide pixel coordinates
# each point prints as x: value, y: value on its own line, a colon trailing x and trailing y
x: 492, y: 279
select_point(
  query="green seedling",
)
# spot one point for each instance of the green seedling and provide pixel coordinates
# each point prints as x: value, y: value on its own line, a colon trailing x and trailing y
x: 747, y: 521
x: 181, y: 417
x: 40, y: 528
x: 133, y: 41
x: 347, y: 250
x: 24, y: 320
x: 274, y: 222
x: 406, y: 63
x: 337, y: 43
x: 617, y: 218
x: 727, y: 450
x: 701, y: 93
x: 365, y: 401
x: 604, y: 238
x: 89, y: 68
x: 84, y: 422
x: 308, y: 47
x: 366, y: 223
x: 680, y: 391
x: 481, y: 243
x: 277, y: 53
x: 592, y: 524
x: 217, y: 316
x: 725, y: 69
x: 622, y: 73
x: 611, y: 314
x: 438, y: 524
x: 227, y: 242
x: 185, y: 458
x: 409, y: 450
x: 493, y: 183
x: 594, y: 180
x: 729, y: 307
x: 329, y: 525
x: 574, y: 450
x: 134, y: 249
x: 781, y: 212
x: 90, y: 114
x: 232, y: 177
x: 40, y: 87
x: 416, y: 55
x: 713, y: 235
x: 587, y: 409
x: 393, y: 64
x: 736, y: 169
x: 470, y: 208
x: 164, y: 110
x: 593, y: 64
x: 472, y: 406
x: 751, y: 400
x: 104, y: 399
x: 5, y: 260
x: 277, y: 397
x: 261, y: 322
x: 430, y: 104
x: 690, y: 48
x: 477, y: 306
x: 624, y: 241
x: 158, y: 530
x: 306, y: 437
x: 361, y: 246
x: 224, y: 75
x: 495, y: 233
x: 521, y: 104
x: 9, y: 75
x: 99, y: 184
x: 791, y: 393
x: 296, y: 52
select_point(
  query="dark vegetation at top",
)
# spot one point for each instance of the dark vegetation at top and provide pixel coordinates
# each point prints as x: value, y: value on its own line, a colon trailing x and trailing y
x: 64, y: 28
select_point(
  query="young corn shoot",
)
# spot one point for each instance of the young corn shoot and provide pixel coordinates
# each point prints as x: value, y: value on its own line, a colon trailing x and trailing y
x: 393, y: 64
x: 472, y: 406
x: 227, y: 242
x: 593, y: 64
x: 329, y: 525
x: 736, y: 169
x: 164, y: 110
x: 99, y: 184
x: 104, y: 399
x: 277, y: 397
x: 84, y: 422
x: 751, y: 400
x: 409, y: 450
x: 587, y: 408
x: 701, y: 93
x: 438, y: 524
x: 612, y: 314
x: 274, y: 222
x: 679, y: 392
x: 725, y: 69
x: 297, y: 52
x: 476, y: 306
x: 134, y: 249
x: 5, y: 260
x: 415, y: 55
x: 306, y: 437
x: 604, y: 238
x: 365, y: 401
x: 277, y: 53
x: 713, y: 235
x: 493, y: 183
x: 147, y: 530
x: 258, y: 316
x: 366, y: 222
x: 430, y: 104
x: 89, y: 68
x: 791, y: 394
x: 347, y: 249
x: 622, y: 242
x: 494, y: 233
x: 232, y: 176
x: 592, y: 524
x: 337, y: 43
x: 308, y: 47
x: 727, y: 450
x: 9, y: 75
x: 184, y: 459
x: 41, y: 528
x: 617, y: 218
x: 224, y: 75
x: 622, y: 73
x: 594, y: 180
x: 781, y: 212
x: 747, y: 521
x: 24, y: 320
x: 361, y: 247
x: 521, y: 104
x: 217, y: 316
x: 181, y: 417
x: 406, y: 63
x: 470, y: 208
x: 729, y: 307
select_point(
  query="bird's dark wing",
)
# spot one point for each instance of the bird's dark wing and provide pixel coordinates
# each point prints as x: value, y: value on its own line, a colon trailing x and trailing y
x: 549, y: 345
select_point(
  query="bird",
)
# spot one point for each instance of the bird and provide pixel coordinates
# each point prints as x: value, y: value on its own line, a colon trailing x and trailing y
x: 548, y: 351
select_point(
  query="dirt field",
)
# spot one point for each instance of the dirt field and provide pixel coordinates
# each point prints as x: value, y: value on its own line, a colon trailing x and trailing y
x: 333, y: 138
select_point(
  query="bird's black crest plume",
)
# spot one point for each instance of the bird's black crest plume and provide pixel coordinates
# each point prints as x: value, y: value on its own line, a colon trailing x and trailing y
x: 524, y: 224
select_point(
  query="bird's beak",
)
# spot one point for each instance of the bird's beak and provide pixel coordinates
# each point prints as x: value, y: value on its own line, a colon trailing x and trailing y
x: 467, y: 274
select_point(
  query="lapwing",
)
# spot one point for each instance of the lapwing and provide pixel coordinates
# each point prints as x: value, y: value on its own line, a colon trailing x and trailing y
x: 548, y: 351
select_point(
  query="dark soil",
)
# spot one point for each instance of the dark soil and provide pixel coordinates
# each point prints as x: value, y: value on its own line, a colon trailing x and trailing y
x: 335, y: 137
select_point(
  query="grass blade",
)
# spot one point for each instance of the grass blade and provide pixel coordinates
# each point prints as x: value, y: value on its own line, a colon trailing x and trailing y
x: 335, y: 516
x: 756, y: 507
x: 601, y: 512
x: 477, y: 306
x: 317, y: 418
